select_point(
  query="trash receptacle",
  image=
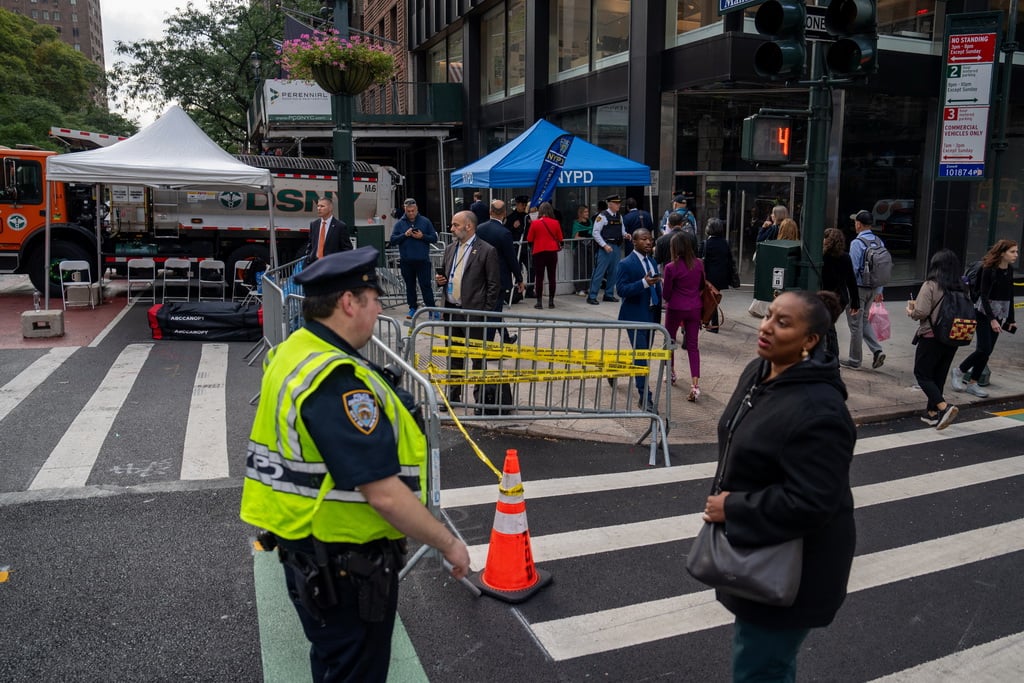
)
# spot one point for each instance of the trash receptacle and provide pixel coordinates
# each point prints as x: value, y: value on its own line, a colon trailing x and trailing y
x: 777, y: 268
x: 372, y: 235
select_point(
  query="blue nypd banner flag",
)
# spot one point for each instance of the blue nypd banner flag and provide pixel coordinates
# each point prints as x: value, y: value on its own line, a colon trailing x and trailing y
x: 550, y: 168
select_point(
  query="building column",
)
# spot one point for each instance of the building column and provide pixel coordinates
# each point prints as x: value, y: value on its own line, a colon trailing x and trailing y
x: 646, y: 45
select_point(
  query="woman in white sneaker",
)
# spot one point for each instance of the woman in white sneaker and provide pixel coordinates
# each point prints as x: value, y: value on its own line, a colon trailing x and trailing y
x: 995, y: 313
x: 933, y: 358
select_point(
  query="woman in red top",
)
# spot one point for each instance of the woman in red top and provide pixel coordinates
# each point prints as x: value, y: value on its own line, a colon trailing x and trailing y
x: 545, y: 238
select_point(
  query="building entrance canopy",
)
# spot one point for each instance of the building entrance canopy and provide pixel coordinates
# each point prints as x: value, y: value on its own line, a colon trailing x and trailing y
x: 517, y: 163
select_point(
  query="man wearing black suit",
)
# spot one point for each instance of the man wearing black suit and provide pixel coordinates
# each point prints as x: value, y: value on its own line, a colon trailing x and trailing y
x: 327, y: 235
x: 471, y: 279
x: 494, y: 233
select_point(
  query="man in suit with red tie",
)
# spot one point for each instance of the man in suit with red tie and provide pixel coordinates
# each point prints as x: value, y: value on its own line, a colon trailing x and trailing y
x: 327, y: 235
x: 639, y: 285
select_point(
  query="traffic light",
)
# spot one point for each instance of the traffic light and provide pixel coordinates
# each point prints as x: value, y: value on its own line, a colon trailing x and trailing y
x: 853, y: 22
x: 783, y: 56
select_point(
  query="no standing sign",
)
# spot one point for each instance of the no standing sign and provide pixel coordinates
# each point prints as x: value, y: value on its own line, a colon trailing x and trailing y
x: 972, y: 42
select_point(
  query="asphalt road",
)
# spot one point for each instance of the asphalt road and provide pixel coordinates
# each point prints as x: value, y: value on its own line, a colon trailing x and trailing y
x: 143, y: 572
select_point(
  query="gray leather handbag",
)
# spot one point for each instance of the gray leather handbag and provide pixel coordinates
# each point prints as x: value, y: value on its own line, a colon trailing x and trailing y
x: 767, y: 574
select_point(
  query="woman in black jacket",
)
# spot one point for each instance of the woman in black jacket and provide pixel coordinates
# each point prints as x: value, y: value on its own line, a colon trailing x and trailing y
x: 719, y: 265
x: 995, y: 313
x: 837, y: 276
x: 790, y: 443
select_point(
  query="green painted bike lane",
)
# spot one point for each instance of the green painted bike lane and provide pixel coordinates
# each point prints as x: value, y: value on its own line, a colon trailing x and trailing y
x: 284, y: 646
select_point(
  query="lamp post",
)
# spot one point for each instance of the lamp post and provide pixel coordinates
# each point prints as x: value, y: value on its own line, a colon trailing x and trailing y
x: 341, y: 113
x: 256, y: 62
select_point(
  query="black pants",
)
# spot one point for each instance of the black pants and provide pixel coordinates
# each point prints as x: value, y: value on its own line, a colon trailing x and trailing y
x: 346, y: 648
x: 931, y: 366
x: 986, y: 342
x: 457, y: 359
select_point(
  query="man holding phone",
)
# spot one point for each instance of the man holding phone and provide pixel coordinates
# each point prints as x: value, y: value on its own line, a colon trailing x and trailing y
x: 639, y: 286
x: 414, y: 233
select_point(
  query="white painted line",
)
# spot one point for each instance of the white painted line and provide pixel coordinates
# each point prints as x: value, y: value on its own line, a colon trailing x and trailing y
x: 645, y: 622
x: 565, y: 486
x: 607, y: 539
x: 545, y: 488
x: 111, y: 325
x: 74, y: 456
x: 18, y: 389
x: 205, y: 454
x: 917, y: 437
x: 996, y: 662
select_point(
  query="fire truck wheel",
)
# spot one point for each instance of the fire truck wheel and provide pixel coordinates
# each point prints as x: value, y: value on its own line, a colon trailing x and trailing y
x: 59, y: 251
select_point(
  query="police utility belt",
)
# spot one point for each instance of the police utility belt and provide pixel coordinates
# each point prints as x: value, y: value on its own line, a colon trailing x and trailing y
x: 324, y: 572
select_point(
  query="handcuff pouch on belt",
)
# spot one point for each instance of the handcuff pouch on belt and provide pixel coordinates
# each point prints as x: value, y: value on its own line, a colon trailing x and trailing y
x: 318, y: 577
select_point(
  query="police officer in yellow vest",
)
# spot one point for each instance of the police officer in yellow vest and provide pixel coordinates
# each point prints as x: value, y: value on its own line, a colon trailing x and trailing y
x: 336, y: 472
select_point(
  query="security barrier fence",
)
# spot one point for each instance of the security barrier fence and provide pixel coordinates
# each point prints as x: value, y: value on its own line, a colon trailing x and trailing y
x: 556, y: 369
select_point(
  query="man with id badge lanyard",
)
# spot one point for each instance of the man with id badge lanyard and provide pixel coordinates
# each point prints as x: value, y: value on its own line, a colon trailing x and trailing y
x: 471, y: 279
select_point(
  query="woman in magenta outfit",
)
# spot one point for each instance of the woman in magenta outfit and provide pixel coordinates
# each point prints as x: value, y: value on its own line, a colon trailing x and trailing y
x: 545, y: 238
x: 681, y: 289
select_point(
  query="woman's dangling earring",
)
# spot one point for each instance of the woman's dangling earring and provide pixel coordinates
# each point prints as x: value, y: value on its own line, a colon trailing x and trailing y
x: 804, y: 353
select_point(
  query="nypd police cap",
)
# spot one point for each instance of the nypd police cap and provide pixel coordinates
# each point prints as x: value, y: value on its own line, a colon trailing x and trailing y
x: 613, y: 198
x: 343, y: 271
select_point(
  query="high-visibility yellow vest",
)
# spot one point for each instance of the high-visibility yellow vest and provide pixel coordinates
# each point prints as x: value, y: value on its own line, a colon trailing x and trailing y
x: 288, y: 489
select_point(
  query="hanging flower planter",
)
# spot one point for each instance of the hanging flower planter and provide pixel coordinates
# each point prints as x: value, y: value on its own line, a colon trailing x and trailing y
x: 338, y: 65
x: 350, y: 81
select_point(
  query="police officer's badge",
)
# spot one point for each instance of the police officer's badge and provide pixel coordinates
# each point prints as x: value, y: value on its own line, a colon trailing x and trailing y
x: 362, y: 410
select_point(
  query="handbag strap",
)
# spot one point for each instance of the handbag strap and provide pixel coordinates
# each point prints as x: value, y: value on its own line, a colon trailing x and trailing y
x: 746, y: 404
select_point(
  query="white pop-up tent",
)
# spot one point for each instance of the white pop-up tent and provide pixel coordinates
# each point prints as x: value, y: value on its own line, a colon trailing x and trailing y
x: 173, y: 153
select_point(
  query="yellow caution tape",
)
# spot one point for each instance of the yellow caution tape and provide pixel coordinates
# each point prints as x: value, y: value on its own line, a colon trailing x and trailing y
x: 515, y: 490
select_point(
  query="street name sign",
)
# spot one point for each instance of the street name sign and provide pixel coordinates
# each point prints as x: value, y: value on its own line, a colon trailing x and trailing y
x: 972, y: 46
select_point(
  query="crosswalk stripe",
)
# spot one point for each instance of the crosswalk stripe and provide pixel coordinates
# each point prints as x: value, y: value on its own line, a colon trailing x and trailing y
x: 71, y: 461
x: 18, y: 389
x: 545, y: 488
x: 996, y: 662
x: 916, y: 437
x: 667, y: 529
x: 645, y: 622
x: 205, y: 454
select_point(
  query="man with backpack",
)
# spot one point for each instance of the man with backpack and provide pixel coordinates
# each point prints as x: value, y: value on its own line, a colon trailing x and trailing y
x: 872, y: 266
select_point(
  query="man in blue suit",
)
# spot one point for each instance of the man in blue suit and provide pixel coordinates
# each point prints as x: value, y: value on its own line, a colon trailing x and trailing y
x: 639, y: 285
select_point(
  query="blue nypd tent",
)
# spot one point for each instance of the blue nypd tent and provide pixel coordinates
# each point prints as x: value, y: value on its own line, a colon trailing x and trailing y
x: 517, y: 163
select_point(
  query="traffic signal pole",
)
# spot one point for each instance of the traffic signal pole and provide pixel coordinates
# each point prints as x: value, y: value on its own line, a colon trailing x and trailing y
x: 341, y: 112
x: 819, y: 124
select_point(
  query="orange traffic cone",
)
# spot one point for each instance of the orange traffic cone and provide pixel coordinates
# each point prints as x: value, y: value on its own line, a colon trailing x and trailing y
x: 510, y: 574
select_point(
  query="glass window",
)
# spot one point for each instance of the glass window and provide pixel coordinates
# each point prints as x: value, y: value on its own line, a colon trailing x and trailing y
x: 692, y: 14
x: 437, y: 64
x: 611, y: 124
x: 516, y: 46
x: 56, y: 15
x: 492, y: 47
x: 455, y: 57
x: 907, y: 18
x: 22, y: 183
x: 610, y: 30
x: 570, y: 36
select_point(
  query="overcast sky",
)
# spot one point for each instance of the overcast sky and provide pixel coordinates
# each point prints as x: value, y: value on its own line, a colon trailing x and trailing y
x: 130, y: 20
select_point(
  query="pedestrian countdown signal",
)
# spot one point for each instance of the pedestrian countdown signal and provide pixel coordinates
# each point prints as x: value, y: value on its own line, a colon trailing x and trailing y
x: 766, y: 139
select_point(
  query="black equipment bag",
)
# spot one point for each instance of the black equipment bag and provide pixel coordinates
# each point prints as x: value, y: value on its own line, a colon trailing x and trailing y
x: 495, y: 402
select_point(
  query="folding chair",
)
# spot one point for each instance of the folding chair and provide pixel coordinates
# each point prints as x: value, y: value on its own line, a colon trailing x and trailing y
x: 211, y: 275
x: 76, y: 275
x: 239, y: 289
x: 142, y: 271
x: 178, y: 272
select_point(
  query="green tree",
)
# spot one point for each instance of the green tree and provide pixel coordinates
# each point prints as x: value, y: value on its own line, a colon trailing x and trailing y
x: 202, y: 62
x: 44, y: 83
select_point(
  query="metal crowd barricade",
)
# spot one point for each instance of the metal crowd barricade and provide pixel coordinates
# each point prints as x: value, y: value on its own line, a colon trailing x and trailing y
x: 575, y: 262
x: 558, y: 369
x: 391, y: 278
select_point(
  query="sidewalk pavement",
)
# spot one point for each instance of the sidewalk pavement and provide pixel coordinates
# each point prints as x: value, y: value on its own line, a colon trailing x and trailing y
x: 874, y: 395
